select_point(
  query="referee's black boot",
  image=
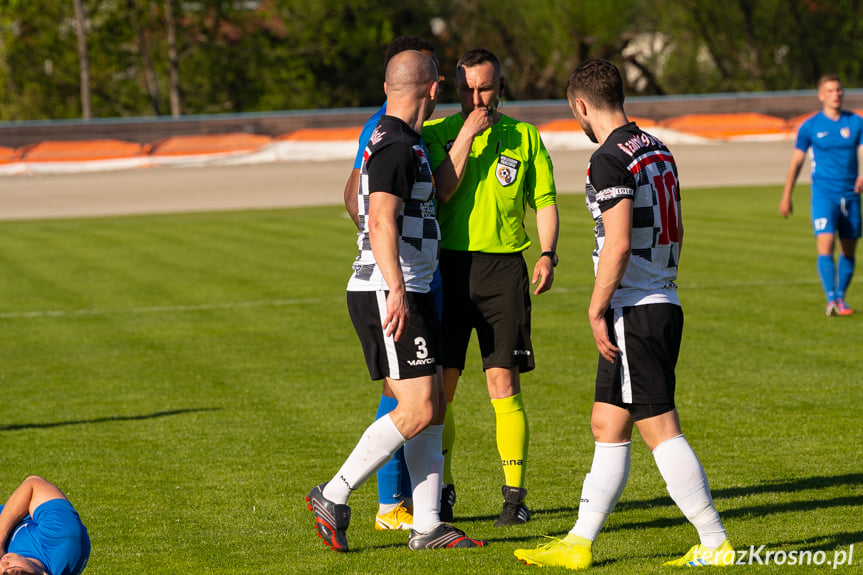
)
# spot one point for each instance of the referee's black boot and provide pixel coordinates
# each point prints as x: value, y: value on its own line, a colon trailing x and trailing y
x: 514, y: 510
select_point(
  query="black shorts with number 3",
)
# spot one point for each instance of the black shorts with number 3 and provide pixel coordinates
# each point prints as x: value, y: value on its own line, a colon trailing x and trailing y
x: 417, y: 351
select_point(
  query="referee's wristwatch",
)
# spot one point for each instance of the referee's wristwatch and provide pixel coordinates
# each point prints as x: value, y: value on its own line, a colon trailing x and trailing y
x: 552, y: 256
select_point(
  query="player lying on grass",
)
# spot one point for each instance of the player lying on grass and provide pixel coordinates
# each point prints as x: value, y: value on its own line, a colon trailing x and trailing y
x: 41, y: 532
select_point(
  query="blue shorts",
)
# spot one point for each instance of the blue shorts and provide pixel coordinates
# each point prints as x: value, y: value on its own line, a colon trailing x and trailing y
x: 832, y: 215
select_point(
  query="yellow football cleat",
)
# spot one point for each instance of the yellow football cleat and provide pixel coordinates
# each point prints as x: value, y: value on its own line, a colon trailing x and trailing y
x: 700, y: 556
x: 572, y: 554
x: 398, y: 518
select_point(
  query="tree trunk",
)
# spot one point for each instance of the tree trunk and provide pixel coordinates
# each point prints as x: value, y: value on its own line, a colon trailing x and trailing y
x: 83, y: 58
x: 173, y: 60
x: 144, y: 51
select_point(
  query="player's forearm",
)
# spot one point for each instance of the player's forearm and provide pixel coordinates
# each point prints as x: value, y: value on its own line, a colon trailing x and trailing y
x: 788, y: 188
x: 792, y: 174
x: 614, y: 256
x: 609, y: 272
x: 14, y: 511
x: 351, y: 196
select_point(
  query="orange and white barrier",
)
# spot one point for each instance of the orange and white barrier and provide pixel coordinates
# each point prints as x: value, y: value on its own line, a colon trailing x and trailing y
x: 321, y: 144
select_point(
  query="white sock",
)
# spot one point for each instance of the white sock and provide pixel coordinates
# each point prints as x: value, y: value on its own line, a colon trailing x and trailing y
x: 602, y: 487
x: 425, y: 465
x: 384, y: 508
x: 687, y: 484
x: 379, y: 441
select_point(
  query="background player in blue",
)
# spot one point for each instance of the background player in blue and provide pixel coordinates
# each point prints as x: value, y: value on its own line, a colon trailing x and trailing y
x: 40, y: 532
x: 394, y: 485
x: 833, y: 137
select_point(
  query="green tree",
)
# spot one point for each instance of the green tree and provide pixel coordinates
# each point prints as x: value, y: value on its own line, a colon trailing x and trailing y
x: 756, y: 45
x: 260, y: 55
x: 83, y: 58
x: 39, y: 69
x: 538, y: 43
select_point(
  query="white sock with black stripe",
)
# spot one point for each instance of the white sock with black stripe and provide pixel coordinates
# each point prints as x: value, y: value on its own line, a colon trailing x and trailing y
x: 376, y: 446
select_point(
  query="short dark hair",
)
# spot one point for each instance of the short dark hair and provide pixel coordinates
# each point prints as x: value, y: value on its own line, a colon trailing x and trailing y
x: 478, y: 56
x: 828, y: 78
x: 405, y: 43
x: 597, y: 81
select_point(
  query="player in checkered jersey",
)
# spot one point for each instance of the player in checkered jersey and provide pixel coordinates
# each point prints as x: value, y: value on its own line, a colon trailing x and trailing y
x: 400, y: 167
x: 394, y: 314
x: 633, y: 195
x: 395, y: 500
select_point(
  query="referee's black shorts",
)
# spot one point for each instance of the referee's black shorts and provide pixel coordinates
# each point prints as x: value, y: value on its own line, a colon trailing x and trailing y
x: 641, y: 379
x: 491, y: 294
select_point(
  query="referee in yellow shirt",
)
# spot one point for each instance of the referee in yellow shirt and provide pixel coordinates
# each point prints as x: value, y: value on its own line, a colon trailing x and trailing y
x: 488, y: 169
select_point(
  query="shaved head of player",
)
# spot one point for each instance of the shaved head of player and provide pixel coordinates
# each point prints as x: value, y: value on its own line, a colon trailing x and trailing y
x: 411, y: 86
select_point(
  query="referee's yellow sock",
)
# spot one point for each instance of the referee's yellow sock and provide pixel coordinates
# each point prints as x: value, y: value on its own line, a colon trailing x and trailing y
x: 513, y: 437
x: 448, y: 440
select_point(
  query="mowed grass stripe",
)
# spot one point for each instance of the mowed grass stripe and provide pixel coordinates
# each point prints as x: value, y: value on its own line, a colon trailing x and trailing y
x: 154, y: 309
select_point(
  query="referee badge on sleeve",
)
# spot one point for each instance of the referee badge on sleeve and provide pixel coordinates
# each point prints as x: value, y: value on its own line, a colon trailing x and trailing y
x: 506, y: 170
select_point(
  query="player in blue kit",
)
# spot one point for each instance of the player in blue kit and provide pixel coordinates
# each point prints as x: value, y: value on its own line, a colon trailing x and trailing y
x: 41, y: 533
x: 394, y: 485
x: 832, y: 137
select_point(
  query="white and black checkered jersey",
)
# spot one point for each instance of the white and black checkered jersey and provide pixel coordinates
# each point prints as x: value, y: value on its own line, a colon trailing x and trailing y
x: 632, y: 164
x: 395, y: 161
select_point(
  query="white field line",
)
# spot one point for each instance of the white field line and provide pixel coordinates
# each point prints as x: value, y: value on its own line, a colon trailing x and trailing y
x: 288, y: 302
x: 154, y: 309
x: 684, y: 286
x: 757, y: 283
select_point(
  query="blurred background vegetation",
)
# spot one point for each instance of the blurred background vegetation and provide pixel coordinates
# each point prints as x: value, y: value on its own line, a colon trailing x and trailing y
x: 131, y: 58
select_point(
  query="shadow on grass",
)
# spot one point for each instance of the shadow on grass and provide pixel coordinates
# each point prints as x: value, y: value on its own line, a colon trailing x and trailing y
x: 804, y: 484
x: 801, y: 484
x: 157, y: 414
x: 832, y: 541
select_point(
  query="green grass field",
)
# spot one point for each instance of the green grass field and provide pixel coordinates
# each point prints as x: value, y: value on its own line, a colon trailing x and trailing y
x: 186, y: 379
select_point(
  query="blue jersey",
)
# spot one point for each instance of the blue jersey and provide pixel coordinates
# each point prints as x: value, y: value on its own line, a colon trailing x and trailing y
x: 832, y: 146
x: 367, y: 133
x: 55, y: 537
